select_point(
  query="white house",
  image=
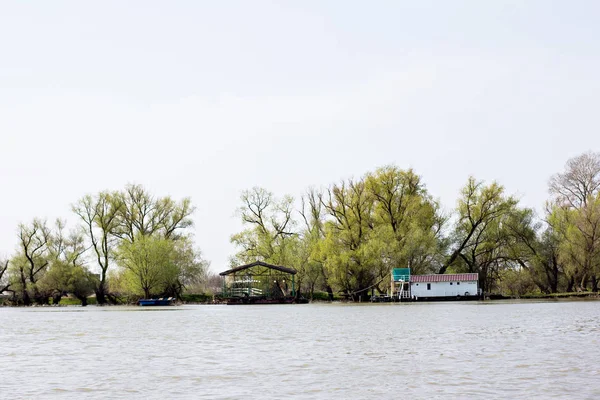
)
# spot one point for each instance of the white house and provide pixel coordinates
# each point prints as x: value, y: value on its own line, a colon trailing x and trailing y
x: 444, y: 285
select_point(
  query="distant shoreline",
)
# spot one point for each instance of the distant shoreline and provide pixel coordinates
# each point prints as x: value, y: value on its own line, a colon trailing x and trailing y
x: 526, y: 298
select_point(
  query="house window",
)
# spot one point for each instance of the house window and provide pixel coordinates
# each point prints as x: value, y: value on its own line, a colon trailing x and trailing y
x: 429, y: 286
x: 458, y: 283
x: 417, y: 284
x: 450, y: 283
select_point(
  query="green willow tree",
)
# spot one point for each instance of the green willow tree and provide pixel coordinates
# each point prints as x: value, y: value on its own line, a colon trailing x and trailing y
x: 575, y: 217
x: 4, y: 281
x: 152, y: 265
x: 311, y: 266
x: 111, y: 219
x: 99, y: 215
x: 536, y: 252
x: 192, y: 268
x: 348, y: 256
x: 31, y: 262
x: 270, y: 235
x: 407, y: 221
x: 484, y: 236
x: 143, y: 214
x: 148, y: 264
x: 579, y: 249
x: 49, y: 264
x: 354, y: 232
x: 67, y: 272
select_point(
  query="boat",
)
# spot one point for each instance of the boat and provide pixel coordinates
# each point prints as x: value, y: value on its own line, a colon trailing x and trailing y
x: 163, y: 301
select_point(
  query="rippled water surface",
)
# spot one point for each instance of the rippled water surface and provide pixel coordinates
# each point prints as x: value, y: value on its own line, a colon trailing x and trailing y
x: 321, y: 351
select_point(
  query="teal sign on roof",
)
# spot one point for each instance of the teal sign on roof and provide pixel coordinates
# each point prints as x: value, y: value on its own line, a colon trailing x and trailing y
x: 401, y: 274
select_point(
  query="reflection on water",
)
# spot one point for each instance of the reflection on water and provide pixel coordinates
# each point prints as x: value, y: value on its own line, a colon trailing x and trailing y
x: 316, y: 351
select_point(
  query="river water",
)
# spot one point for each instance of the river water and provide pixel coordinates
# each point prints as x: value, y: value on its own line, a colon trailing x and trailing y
x: 313, y: 351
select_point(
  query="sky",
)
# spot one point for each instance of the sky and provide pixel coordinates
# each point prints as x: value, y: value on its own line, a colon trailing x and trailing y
x: 205, y: 99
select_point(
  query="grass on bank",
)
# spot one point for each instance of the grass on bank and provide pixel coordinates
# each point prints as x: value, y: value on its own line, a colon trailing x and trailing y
x: 186, y: 298
x: 200, y: 298
x: 558, y: 295
x: 72, y: 301
x: 192, y: 298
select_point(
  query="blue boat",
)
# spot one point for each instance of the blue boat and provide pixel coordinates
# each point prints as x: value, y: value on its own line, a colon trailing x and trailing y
x: 163, y: 301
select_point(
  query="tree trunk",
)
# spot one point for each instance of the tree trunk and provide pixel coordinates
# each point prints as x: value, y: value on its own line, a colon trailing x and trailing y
x: 594, y: 283
x: 24, y: 293
x: 101, y: 292
x: 40, y: 298
x: 82, y: 298
x: 297, y: 289
x: 100, y: 296
x: 554, y: 282
x: 56, y: 298
x: 571, y: 283
x: 25, y: 298
x: 329, y: 293
x: 483, y: 281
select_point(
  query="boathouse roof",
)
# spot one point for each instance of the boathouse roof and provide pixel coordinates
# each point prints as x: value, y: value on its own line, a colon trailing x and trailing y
x: 259, y: 264
x: 445, y: 278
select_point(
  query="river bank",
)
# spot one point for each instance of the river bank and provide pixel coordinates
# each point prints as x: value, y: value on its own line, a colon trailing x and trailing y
x: 204, y: 299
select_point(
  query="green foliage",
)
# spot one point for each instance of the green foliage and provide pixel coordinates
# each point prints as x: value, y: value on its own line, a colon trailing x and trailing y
x: 99, y: 217
x: 154, y: 265
x: 148, y: 265
x: 4, y: 281
x: 31, y: 262
x: 192, y: 269
x: 488, y: 235
x: 51, y: 263
x: 71, y: 301
x: 269, y: 235
x: 579, y: 230
x: 516, y: 282
x: 354, y: 232
x: 407, y: 221
x: 66, y: 272
x: 574, y: 215
x: 114, y: 221
x: 323, y: 296
x: 48, y: 264
x: 561, y: 295
x: 383, y: 221
x: 346, y: 248
x: 139, y: 213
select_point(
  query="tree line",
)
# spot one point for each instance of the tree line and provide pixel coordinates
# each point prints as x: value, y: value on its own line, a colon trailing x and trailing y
x: 344, y: 238
x: 347, y: 237
x: 126, y: 244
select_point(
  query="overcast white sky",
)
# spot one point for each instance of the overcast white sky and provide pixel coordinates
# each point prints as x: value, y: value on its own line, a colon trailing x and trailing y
x: 208, y: 98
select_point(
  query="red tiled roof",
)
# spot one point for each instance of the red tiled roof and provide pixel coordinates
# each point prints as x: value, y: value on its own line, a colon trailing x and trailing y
x: 444, y: 278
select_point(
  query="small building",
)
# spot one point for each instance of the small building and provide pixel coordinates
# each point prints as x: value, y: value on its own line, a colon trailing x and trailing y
x: 400, y: 283
x: 259, y: 283
x: 441, y: 286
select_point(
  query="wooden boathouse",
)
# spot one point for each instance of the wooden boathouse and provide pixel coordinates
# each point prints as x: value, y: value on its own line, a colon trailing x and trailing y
x: 259, y: 283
